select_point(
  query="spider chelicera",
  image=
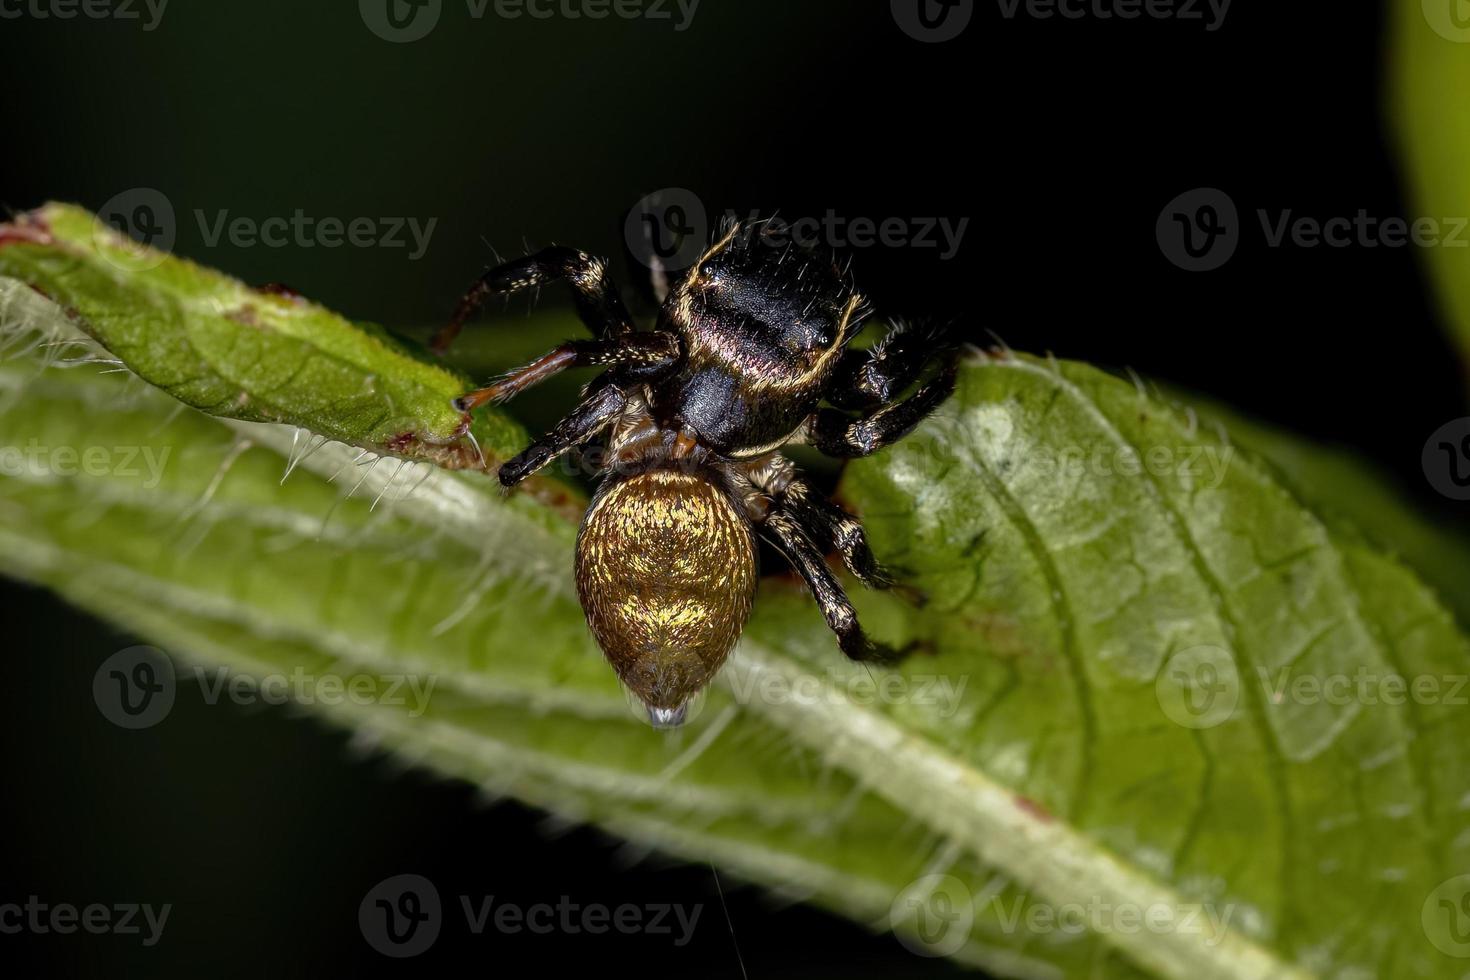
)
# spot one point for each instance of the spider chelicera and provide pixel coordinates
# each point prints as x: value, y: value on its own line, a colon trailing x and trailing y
x: 749, y: 344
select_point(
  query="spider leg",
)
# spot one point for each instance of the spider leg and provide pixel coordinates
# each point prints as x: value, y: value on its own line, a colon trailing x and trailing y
x: 787, y: 533
x: 643, y: 355
x: 828, y: 525
x: 597, y: 297
x: 595, y: 412
x: 864, y: 378
x: 839, y: 434
x: 837, y: 529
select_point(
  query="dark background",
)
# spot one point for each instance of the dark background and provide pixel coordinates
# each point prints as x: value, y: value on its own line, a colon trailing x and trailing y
x: 1059, y: 140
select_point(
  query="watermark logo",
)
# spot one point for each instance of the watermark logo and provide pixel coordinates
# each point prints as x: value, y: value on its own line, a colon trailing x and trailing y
x: 934, y: 915
x: 146, y: 227
x: 1199, y: 230
x: 932, y: 21
x: 1446, y: 459
x: 401, y: 21
x: 668, y: 229
x: 1198, y: 687
x: 1201, y: 687
x: 135, y: 688
x: 401, y: 916
x: 1450, y: 19
x: 1446, y: 917
x: 1099, y: 916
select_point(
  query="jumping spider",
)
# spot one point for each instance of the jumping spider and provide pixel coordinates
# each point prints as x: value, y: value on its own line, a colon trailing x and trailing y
x: 748, y: 343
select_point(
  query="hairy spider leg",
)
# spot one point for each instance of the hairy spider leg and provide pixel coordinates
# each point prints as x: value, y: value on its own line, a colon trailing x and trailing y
x: 864, y: 378
x: 597, y: 411
x: 839, y: 434
x: 834, y: 528
x: 827, y: 524
x: 785, y: 531
x: 596, y: 296
x: 645, y: 354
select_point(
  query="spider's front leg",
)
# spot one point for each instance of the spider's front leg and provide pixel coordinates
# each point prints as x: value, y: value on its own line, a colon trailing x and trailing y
x: 598, y: 302
x: 839, y: 434
x: 603, y: 404
x: 640, y: 355
x: 865, y: 378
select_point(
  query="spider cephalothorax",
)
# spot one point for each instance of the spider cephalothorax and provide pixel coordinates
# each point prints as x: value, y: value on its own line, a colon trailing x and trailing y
x: 749, y: 344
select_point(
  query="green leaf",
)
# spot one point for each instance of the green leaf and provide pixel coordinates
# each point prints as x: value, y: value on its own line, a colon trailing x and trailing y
x: 260, y: 355
x: 1046, y: 790
x: 1430, y: 68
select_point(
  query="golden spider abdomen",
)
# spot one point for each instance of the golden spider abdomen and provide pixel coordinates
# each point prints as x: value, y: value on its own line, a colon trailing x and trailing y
x: 666, y: 574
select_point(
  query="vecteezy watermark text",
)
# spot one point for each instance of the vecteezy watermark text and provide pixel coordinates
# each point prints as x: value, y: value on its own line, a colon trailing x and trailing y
x: 136, y: 688
x: 935, y: 915
x: 941, y: 692
x: 405, y: 21
x: 670, y: 228
x: 63, y: 918
x: 403, y: 915
x: 1211, y: 13
x: 145, y: 216
x: 839, y: 232
x: 1200, y: 230
x: 35, y: 459
x: 1201, y: 687
x: 304, y: 231
x: 149, y: 12
x: 410, y: 691
x: 1204, y: 466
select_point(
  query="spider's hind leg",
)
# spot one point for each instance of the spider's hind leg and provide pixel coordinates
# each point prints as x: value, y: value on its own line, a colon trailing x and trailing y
x: 787, y: 533
x: 832, y: 527
x: 802, y: 524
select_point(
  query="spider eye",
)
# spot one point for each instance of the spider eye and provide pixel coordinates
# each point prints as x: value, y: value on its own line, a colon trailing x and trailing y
x: 808, y: 336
